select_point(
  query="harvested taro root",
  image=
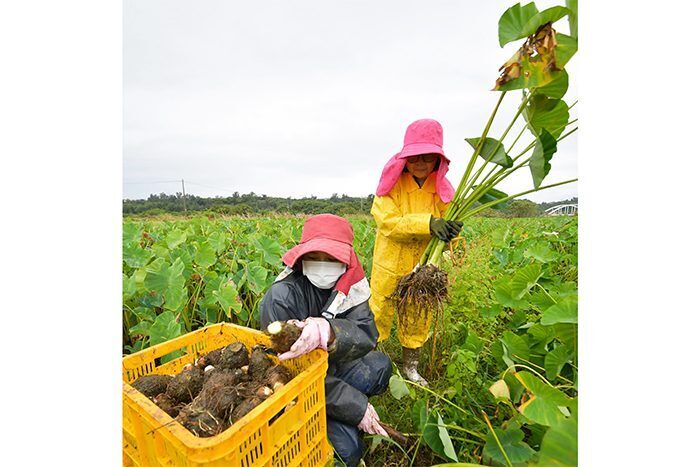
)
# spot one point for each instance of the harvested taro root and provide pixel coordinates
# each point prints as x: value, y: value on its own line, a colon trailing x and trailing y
x: 234, y: 356
x: 167, y: 404
x: 219, y: 400
x: 223, y: 377
x: 260, y: 362
x: 283, y: 335
x: 277, y: 376
x: 245, y: 407
x: 200, y: 421
x: 185, y: 386
x: 212, y: 358
x: 152, y: 385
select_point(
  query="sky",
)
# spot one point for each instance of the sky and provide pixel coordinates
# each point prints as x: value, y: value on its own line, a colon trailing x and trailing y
x: 310, y: 97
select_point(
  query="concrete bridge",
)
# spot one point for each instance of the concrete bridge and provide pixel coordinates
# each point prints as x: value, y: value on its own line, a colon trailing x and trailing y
x: 562, y: 210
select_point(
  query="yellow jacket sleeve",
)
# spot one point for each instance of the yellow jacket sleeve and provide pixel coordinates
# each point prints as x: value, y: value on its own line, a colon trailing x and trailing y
x: 397, y: 226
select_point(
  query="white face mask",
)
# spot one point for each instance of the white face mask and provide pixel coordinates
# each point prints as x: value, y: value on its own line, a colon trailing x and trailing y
x: 323, y: 274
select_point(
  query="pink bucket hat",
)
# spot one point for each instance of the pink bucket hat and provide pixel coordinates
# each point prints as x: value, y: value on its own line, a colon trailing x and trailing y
x: 422, y: 137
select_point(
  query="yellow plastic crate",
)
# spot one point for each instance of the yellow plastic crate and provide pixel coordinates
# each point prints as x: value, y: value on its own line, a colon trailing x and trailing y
x: 296, y: 438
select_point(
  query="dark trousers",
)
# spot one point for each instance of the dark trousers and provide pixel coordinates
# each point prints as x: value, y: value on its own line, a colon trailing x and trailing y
x: 369, y: 375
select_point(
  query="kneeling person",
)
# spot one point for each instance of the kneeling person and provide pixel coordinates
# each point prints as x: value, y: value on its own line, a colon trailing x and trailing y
x: 324, y: 291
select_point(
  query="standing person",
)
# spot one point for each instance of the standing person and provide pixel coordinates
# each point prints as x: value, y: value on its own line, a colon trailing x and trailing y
x: 324, y: 291
x: 412, y: 196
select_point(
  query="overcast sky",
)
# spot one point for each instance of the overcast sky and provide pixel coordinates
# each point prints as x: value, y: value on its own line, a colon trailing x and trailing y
x: 310, y: 97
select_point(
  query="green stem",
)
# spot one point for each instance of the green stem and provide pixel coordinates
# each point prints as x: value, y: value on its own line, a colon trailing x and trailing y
x: 498, y: 441
x: 545, y: 292
x: 438, y: 396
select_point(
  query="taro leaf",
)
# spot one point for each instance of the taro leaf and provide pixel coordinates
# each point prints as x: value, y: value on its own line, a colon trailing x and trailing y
x: 565, y: 311
x: 499, y: 389
x: 560, y: 444
x: 555, y: 360
x: 550, y: 15
x: 513, y: 21
x: 164, y: 328
x: 572, y: 5
x: 217, y: 240
x: 512, y: 443
x: 556, y: 89
x: 227, y: 297
x: 491, y: 313
x: 515, y: 348
x: 398, y: 387
x: 131, y: 233
x: 503, y: 290
x: 169, y: 281
x: 492, y: 195
x: 543, y: 113
x: 271, y: 250
x: 473, y: 343
x: 567, y: 333
x: 492, y: 150
x: 419, y: 414
x: 137, y: 257
x: 256, y: 277
x: 541, y: 252
x: 436, y: 436
x: 140, y: 328
x: 543, y: 405
x: 144, y: 314
x: 175, y: 237
x: 545, y: 147
x: 516, y: 388
x: 525, y: 278
x: 566, y: 48
x: 541, y: 300
x: 534, y: 64
x: 541, y: 336
x: 128, y: 286
x: 205, y: 256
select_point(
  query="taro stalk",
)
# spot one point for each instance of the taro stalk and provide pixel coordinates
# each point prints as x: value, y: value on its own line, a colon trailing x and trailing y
x: 537, y: 69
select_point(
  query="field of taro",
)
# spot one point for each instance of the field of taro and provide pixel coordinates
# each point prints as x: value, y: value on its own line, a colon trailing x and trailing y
x: 501, y: 361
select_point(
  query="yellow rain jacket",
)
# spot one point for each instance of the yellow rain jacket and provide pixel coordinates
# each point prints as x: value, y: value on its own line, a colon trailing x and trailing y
x: 403, y: 233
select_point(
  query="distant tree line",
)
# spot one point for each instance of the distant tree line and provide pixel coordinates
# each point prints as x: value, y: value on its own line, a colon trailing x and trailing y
x: 254, y: 204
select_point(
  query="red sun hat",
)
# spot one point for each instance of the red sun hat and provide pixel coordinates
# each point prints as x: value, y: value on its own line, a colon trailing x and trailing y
x: 332, y: 235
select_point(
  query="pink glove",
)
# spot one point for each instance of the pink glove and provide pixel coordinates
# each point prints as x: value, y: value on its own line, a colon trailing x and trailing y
x: 370, y: 422
x: 314, y: 335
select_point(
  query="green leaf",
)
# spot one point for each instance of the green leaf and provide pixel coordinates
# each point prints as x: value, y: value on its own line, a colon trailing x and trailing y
x: 565, y: 311
x: 541, y: 336
x: 270, y: 249
x: 169, y: 281
x: 419, y: 414
x: 512, y: 23
x: 140, y: 328
x: 543, y: 405
x: 131, y: 233
x: 556, y: 89
x: 550, y: 15
x: 513, y: 445
x: 217, y: 240
x: 541, y: 252
x: 128, y: 286
x: 491, y: 313
x: 227, y: 297
x: 164, y: 328
x: 503, y: 290
x: 492, y: 150
x: 256, y: 277
x: 566, y: 48
x: 175, y: 238
x: 398, y: 387
x: 555, y: 360
x: 567, y: 333
x: 545, y: 147
x: 525, y: 278
x: 572, y: 5
x: 205, y: 256
x: 543, y: 113
x: 560, y: 444
x: 136, y: 257
x: 437, y: 437
x: 515, y: 348
x: 492, y: 195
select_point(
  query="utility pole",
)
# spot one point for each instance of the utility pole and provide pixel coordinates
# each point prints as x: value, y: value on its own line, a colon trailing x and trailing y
x: 184, y: 201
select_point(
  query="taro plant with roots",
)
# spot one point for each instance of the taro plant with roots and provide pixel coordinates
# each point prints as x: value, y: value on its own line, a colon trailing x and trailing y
x: 536, y: 71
